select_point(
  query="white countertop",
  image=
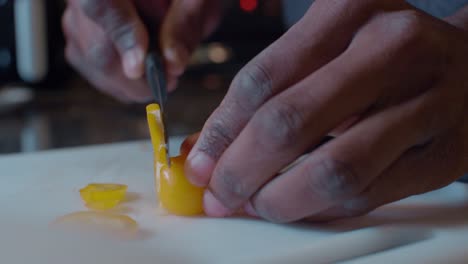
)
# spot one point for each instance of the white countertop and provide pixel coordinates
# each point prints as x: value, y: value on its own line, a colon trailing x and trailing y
x: 35, y: 189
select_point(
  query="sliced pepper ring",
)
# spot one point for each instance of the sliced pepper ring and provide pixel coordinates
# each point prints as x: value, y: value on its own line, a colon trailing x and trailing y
x: 103, y: 196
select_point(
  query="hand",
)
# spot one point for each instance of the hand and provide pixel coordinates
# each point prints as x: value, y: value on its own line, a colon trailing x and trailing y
x: 398, y: 74
x: 107, y: 40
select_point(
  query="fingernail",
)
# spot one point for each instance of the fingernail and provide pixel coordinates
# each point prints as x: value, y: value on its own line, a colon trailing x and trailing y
x: 248, y: 208
x: 199, y: 167
x: 213, y: 207
x: 133, y: 63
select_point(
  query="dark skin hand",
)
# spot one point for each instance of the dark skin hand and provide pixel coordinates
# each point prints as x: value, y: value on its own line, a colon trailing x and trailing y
x: 391, y: 78
x: 107, y: 40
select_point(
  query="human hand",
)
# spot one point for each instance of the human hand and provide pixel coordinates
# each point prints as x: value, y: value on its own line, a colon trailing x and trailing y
x: 398, y: 74
x: 107, y: 40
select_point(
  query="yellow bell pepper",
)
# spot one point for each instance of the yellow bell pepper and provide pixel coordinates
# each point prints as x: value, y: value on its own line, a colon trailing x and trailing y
x: 175, y: 193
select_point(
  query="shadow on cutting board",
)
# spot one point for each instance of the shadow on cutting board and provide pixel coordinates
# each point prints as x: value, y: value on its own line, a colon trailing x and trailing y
x: 428, y: 216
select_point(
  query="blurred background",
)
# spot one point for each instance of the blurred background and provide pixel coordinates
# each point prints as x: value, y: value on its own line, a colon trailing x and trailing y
x: 44, y: 104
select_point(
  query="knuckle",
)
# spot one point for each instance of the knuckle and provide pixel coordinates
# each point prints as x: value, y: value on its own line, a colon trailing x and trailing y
x: 405, y: 36
x: 332, y: 179
x: 281, y: 124
x: 102, y: 58
x: 409, y: 23
x: 410, y: 19
x: 114, y: 20
x: 253, y: 84
x: 123, y: 34
x: 93, y: 8
x: 217, y: 136
x: 231, y: 188
x: 407, y: 29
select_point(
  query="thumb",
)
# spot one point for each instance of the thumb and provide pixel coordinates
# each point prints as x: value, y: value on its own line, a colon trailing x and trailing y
x: 120, y: 21
x: 185, y: 26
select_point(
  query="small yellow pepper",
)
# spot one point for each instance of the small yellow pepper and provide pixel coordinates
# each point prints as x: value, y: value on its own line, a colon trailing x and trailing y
x: 176, y: 194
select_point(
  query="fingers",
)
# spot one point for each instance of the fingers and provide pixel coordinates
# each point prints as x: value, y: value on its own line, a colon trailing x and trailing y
x: 120, y: 21
x: 294, y: 56
x: 335, y: 180
x: 428, y: 166
x: 284, y: 127
x: 88, y: 49
x: 184, y: 27
x: 418, y: 171
x: 91, y: 53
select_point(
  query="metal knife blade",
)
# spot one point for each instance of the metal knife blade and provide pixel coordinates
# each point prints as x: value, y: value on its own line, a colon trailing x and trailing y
x: 156, y: 79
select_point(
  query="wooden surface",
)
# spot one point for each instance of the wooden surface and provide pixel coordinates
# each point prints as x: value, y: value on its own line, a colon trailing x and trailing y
x: 35, y: 189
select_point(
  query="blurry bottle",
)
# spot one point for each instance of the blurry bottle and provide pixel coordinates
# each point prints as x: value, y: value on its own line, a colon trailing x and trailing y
x: 31, y: 43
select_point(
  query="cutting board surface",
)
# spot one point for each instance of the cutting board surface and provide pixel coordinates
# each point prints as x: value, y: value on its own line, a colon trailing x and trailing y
x: 35, y: 189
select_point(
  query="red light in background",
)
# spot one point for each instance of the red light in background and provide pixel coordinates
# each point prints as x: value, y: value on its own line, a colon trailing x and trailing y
x: 249, y: 5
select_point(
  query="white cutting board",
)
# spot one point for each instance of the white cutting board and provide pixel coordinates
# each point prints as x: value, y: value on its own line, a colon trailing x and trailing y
x: 35, y: 189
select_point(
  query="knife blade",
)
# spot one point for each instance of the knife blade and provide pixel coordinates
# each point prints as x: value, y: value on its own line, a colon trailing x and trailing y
x: 155, y: 75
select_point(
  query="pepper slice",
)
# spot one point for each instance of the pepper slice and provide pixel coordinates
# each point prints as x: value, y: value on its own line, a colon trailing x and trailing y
x: 175, y: 193
x: 103, y: 196
x: 99, y: 222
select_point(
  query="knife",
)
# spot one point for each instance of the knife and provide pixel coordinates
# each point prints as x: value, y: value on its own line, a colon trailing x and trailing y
x: 155, y: 75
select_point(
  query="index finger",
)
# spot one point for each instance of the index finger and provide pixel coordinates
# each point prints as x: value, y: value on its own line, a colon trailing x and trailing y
x: 121, y: 22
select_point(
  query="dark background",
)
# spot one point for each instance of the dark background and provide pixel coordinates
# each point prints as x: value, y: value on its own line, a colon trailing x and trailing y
x: 66, y: 111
